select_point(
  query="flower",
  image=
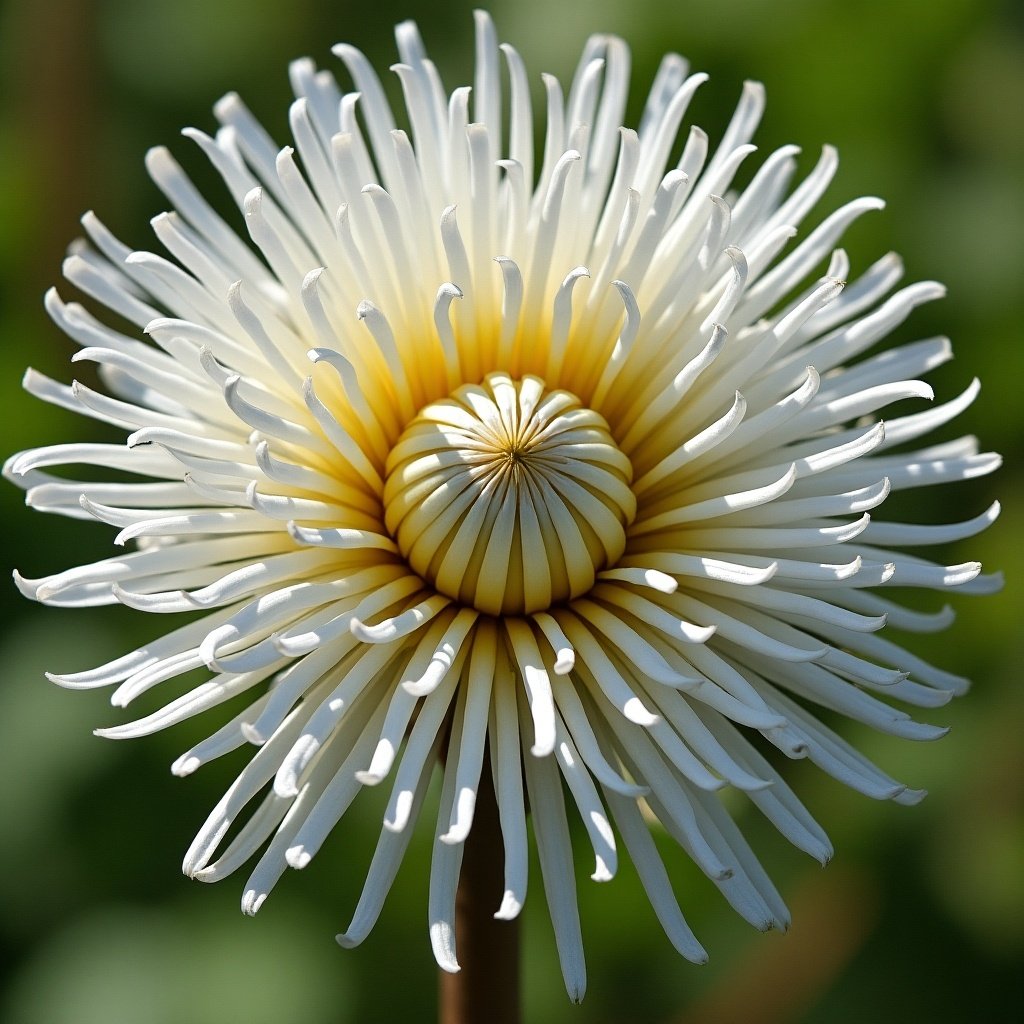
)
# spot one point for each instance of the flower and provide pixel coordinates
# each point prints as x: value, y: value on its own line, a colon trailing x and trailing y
x: 557, y: 459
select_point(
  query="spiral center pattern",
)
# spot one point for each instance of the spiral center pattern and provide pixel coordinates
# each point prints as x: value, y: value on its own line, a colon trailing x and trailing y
x: 507, y: 496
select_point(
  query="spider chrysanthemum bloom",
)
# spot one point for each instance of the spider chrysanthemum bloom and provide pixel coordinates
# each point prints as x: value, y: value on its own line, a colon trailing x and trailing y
x: 555, y: 458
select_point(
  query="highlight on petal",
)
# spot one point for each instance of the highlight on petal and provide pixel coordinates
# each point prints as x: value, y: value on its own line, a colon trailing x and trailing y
x: 558, y: 470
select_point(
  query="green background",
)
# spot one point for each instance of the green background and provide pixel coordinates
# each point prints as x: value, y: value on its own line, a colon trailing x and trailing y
x: 920, y: 916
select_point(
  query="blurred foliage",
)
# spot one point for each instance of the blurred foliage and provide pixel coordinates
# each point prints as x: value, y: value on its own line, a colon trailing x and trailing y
x: 922, y: 916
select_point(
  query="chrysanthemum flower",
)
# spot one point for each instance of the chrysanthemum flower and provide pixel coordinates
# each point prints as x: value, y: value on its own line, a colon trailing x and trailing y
x: 559, y: 458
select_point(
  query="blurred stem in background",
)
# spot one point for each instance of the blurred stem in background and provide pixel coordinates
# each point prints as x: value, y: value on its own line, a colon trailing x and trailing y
x: 837, y: 911
x: 53, y: 91
x: 487, y: 987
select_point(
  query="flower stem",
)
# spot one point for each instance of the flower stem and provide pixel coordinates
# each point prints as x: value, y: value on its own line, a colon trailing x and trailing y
x: 487, y: 987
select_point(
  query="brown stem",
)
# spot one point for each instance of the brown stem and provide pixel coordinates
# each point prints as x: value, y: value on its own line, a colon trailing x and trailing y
x: 486, y: 990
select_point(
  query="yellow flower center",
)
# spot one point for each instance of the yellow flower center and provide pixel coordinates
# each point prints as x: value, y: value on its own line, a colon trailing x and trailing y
x: 509, y: 497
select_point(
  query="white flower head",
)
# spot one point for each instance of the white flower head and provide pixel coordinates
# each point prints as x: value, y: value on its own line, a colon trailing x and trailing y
x: 562, y: 459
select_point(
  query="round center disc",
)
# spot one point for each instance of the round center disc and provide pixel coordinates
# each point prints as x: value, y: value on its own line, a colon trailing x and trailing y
x: 508, y: 497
